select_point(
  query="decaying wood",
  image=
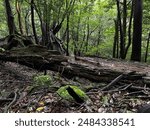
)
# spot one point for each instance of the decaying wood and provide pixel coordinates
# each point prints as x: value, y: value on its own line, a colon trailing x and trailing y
x: 36, y: 57
x: 12, y: 102
x: 40, y: 58
x: 112, y: 83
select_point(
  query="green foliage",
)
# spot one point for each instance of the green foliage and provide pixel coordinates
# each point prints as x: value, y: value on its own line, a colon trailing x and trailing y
x: 42, y: 80
x: 95, y: 17
x: 104, y: 50
x: 65, y: 95
x: 105, y: 100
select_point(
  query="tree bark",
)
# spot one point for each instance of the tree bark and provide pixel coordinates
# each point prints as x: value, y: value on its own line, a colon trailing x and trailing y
x: 147, y: 47
x: 122, y: 45
x: 10, y: 18
x: 137, y: 31
x: 18, y: 9
x: 129, y: 29
x: 88, y: 35
x: 33, y: 22
x: 124, y: 21
x: 67, y: 29
x: 116, y: 37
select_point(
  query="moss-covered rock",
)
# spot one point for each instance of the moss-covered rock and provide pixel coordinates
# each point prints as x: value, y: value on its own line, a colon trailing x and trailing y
x: 62, y: 91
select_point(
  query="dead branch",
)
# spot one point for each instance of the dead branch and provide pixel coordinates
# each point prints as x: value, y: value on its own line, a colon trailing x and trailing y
x: 12, y: 102
x: 116, y: 80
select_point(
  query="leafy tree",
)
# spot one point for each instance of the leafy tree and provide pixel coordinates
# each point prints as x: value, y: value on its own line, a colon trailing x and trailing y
x: 87, y: 27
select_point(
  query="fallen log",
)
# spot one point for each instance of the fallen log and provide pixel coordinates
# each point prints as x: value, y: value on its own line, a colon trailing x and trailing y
x: 36, y: 57
x: 40, y: 58
x: 99, y: 75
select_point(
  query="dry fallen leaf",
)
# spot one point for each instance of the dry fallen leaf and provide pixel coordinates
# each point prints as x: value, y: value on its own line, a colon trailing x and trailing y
x: 39, y: 109
x: 41, y: 104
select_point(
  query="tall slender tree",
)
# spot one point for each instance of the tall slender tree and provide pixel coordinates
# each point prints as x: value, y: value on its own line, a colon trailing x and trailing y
x: 122, y: 45
x: 67, y: 29
x: 33, y: 22
x: 147, y: 47
x: 10, y: 18
x: 137, y: 30
x: 18, y: 10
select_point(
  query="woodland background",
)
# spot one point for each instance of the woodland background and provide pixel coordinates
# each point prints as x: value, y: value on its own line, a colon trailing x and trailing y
x: 109, y: 28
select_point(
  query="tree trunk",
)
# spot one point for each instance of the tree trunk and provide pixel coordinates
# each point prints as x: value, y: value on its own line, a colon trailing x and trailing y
x: 10, y: 18
x: 129, y: 30
x: 122, y: 46
x: 146, y: 53
x: 116, y: 37
x: 76, y: 39
x: 33, y: 22
x: 26, y: 18
x: 88, y: 34
x: 18, y: 9
x: 67, y: 30
x: 98, y: 39
x: 137, y: 31
x: 124, y: 21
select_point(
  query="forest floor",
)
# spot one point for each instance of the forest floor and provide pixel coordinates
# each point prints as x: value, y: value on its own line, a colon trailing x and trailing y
x: 16, y: 80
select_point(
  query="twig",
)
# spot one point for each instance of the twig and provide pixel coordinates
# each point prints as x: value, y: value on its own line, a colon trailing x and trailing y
x: 140, y: 88
x: 122, y: 88
x: 113, y: 82
x: 116, y: 80
x: 13, y: 101
x: 137, y: 92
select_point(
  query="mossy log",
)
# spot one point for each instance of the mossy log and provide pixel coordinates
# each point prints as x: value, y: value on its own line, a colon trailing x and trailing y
x: 38, y: 57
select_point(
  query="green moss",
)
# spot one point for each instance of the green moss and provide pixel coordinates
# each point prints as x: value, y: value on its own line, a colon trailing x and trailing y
x: 65, y: 95
x: 42, y: 80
